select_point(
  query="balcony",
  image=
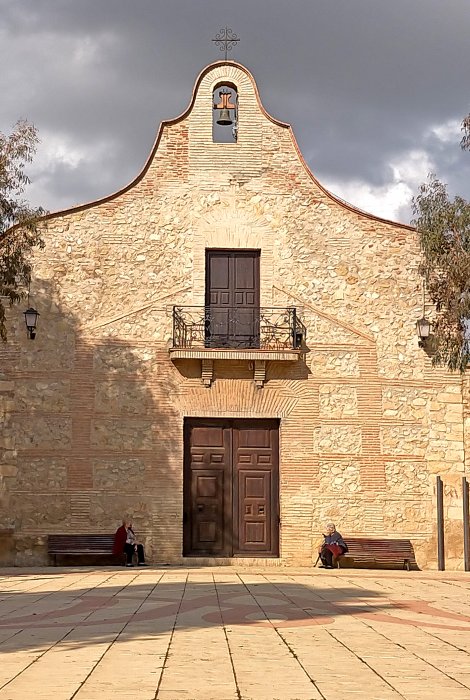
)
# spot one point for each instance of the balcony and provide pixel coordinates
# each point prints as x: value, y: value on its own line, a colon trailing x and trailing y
x: 256, y: 334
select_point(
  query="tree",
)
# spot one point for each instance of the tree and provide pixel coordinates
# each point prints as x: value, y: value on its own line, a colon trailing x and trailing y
x: 465, y: 142
x: 443, y: 225
x: 19, y: 229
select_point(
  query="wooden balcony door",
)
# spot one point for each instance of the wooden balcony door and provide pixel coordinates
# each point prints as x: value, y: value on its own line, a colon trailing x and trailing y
x: 232, y: 298
x: 231, y: 488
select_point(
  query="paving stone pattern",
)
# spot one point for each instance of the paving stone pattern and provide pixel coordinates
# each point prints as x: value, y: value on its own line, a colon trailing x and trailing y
x: 213, y: 634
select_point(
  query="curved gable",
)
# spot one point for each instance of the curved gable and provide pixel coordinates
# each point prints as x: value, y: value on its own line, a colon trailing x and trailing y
x: 184, y: 152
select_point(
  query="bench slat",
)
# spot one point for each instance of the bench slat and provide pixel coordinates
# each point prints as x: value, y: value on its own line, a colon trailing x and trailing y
x: 79, y: 551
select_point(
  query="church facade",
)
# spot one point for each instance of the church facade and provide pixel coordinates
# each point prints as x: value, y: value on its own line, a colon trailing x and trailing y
x: 227, y: 354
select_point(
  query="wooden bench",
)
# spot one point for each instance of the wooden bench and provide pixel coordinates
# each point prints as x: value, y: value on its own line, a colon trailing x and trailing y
x: 367, y: 551
x: 80, y: 545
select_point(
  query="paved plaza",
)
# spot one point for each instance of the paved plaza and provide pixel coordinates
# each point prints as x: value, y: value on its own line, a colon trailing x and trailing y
x: 233, y: 634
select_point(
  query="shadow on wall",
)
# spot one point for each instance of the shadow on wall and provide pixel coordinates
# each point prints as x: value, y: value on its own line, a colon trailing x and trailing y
x: 90, y: 436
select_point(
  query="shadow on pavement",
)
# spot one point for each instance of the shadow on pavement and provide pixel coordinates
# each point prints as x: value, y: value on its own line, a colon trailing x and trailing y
x: 86, y: 616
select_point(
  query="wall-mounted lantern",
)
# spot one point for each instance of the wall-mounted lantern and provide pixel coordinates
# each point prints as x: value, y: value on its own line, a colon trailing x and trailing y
x: 298, y: 339
x: 423, y: 329
x: 31, y: 319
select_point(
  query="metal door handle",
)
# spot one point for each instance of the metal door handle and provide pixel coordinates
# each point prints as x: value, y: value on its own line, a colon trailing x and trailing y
x: 200, y: 507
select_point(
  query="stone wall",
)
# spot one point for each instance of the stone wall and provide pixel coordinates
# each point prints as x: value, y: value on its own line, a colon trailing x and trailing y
x: 93, y: 409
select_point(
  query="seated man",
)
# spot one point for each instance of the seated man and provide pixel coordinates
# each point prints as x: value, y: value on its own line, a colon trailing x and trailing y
x: 333, y: 546
x: 125, y: 542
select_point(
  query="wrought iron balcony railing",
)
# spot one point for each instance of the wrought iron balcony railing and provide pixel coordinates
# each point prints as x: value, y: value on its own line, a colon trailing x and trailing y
x: 237, y: 327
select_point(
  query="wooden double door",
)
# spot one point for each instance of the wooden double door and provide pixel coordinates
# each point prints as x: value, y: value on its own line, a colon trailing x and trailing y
x: 232, y: 298
x: 231, y: 488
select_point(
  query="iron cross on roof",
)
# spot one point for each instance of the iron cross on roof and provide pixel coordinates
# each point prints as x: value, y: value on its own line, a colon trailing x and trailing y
x: 226, y: 40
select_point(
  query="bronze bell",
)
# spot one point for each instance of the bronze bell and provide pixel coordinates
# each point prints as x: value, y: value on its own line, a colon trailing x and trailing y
x: 225, y: 106
x: 224, y: 117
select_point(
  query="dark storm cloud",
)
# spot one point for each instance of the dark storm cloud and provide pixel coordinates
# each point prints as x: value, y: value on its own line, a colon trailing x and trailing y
x: 361, y: 81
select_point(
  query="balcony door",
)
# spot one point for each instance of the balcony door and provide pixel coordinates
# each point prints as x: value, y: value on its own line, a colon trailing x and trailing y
x: 231, y: 487
x: 232, y: 299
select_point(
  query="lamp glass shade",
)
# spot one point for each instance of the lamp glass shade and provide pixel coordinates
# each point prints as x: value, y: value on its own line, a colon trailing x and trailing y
x: 31, y: 318
x: 423, y: 328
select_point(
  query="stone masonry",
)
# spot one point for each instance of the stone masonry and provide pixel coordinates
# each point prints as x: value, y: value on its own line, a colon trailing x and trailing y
x: 93, y: 409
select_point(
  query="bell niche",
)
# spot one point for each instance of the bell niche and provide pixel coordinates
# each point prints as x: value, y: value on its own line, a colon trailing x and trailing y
x: 225, y: 113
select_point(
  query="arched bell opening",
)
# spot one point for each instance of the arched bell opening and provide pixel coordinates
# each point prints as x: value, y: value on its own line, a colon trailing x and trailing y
x: 225, y: 113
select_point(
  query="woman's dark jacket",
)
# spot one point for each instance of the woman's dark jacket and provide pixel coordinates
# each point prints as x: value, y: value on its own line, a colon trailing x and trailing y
x: 119, y: 540
x: 335, y: 538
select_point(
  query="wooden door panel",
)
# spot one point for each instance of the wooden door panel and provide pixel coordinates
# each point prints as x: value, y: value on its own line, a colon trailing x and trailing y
x: 218, y: 299
x: 256, y: 501
x: 207, y: 488
x: 207, y: 511
x: 244, y: 299
x: 220, y: 327
x: 244, y: 275
x: 245, y: 327
x: 254, y: 511
x: 246, y: 289
x: 256, y: 435
x: 220, y: 277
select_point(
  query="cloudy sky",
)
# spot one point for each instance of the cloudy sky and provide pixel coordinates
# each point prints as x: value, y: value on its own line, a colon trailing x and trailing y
x: 375, y: 90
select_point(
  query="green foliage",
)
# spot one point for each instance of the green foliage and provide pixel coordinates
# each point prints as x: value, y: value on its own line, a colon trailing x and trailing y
x: 444, y: 228
x: 19, y: 231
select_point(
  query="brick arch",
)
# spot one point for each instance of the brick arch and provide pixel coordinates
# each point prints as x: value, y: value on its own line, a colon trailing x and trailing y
x: 229, y: 227
x: 226, y: 396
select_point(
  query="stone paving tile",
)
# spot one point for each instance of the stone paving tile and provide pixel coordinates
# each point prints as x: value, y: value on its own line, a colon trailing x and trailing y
x: 131, y: 667
x: 226, y: 634
x: 198, y: 664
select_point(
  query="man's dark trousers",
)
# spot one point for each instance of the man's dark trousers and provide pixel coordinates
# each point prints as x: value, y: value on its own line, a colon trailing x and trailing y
x: 129, y: 551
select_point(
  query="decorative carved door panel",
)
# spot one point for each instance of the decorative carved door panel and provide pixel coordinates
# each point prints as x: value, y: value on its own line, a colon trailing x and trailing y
x: 255, y: 467
x: 207, y: 487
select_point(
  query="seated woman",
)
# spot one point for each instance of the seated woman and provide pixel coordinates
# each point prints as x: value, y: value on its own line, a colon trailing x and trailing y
x: 125, y: 542
x: 333, y: 546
